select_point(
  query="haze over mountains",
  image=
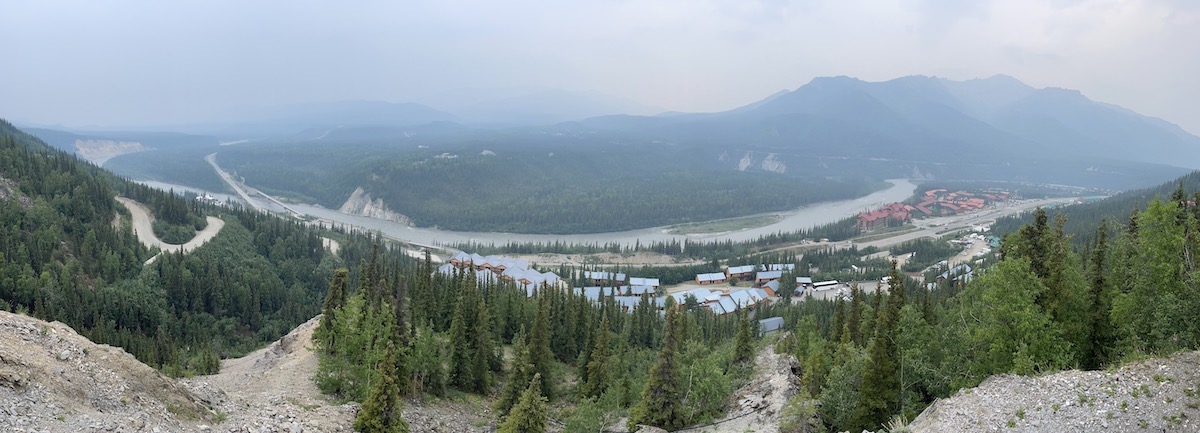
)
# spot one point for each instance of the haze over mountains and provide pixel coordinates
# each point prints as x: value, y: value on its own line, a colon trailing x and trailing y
x: 840, y: 132
x: 925, y: 118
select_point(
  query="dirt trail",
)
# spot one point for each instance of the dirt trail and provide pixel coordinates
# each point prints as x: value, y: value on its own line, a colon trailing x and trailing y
x: 272, y: 389
x: 143, y: 228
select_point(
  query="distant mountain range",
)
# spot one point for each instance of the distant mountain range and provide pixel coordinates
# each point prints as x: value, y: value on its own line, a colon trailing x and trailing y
x: 921, y: 118
x: 831, y: 129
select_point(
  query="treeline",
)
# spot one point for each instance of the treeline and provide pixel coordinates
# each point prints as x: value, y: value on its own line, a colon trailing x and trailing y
x: 428, y: 334
x: 1082, y: 219
x: 1043, y: 307
x: 589, y: 204
x: 722, y: 250
x: 532, y: 184
x: 840, y: 263
x: 926, y: 252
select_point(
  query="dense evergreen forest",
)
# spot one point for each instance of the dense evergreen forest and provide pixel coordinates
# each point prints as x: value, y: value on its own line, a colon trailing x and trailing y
x: 1082, y: 219
x: 837, y: 231
x: 1044, y: 306
x: 429, y: 335
x: 526, y: 182
x: 67, y: 255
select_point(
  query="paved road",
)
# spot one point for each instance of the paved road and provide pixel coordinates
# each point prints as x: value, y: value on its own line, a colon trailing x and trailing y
x: 143, y: 228
x: 212, y: 160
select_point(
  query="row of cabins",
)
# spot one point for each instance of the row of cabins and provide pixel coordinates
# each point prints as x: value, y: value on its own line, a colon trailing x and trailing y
x: 594, y: 293
x: 771, y: 272
x: 492, y: 263
x: 606, y: 278
x: 721, y: 303
x: 626, y: 297
x: 746, y: 271
x: 497, y: 268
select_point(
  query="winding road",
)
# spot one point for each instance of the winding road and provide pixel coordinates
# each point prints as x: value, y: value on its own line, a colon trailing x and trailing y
x: 143, y: 228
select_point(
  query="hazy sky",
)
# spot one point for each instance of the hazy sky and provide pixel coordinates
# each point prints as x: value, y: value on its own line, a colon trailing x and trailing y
x: 146, y: 62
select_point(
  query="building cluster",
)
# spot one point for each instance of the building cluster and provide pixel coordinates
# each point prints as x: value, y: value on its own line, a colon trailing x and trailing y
x: 944, y: 202
x: 626, y: 291
x: 723, y: 302
x: 606, y: 278
x: 935, y: 202
x: 895, y: 213
x: 759, y: 274
x: 626, y: 297
x: 493, y: 268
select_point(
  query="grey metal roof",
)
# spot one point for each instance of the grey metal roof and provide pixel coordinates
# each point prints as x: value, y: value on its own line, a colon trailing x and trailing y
x: 728, y: 304
x: 741, y: 269
x: 770, y: 274
x: 770, y: 324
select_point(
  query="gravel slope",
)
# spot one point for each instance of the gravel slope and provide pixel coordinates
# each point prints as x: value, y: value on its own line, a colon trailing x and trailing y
x: 54, y: 380
x: 1155, y: 395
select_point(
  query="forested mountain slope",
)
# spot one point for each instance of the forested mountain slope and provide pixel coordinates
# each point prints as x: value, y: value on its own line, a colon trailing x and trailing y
x: 833, y: 138
x: 1083, y: 219
x: 67, y: 253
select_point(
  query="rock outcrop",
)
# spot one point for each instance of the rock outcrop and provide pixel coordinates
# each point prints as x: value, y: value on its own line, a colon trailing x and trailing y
x: 100, y: 151
x: 54, y: 380
x: 8, y: 191
x: 360, y: 203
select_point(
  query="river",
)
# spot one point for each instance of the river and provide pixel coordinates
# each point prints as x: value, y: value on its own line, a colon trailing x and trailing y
x: 799, y: 219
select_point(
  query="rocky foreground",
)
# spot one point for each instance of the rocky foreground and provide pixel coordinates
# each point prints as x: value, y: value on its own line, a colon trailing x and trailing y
x: 1161, y: 394
x: 54, y: 380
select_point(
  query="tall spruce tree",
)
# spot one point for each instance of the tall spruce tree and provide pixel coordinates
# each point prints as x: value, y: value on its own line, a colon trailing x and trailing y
x: 659, y: 404
x: 839, y: 320
x: 381, y: 413
x: 598, y: 377
x: 531, y: 412
x: 334, y: 301
x: 520, y: 375
x: 483, y: 352
x: 743, y: 348
x: 541, y: 358
x: 1100, y: 301
x: 854, y: 318
x: 879, y: 394
x: 462, y: 353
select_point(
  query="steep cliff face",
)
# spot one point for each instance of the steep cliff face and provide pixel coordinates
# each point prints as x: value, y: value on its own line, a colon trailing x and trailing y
x: 770, y: 163
x: 100, y: 151
x: 360, y: 203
